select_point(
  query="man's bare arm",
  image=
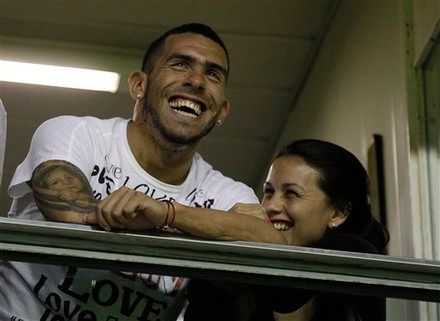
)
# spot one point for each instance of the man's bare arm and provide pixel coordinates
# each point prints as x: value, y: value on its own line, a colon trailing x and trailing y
x: 63, y: 193
x: 126, y: 208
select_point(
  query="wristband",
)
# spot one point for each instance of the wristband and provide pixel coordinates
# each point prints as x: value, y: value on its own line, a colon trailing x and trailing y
x: 169, y: 219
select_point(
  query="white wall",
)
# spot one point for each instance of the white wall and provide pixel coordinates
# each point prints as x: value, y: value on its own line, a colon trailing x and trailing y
x: 357, y: 88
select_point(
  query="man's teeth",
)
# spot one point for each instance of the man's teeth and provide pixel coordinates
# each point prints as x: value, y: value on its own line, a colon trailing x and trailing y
x: 186, y: 107
x: 281, y: 226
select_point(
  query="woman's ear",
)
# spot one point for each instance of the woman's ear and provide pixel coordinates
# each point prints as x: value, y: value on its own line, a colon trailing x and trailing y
x: 339, y: 217
x: 137, y: 83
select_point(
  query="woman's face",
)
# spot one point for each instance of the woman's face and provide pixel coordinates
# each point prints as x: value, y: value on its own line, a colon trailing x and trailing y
x: 295, y: 203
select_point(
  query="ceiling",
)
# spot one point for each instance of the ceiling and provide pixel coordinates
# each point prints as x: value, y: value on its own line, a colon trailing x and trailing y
x: 272, y: 46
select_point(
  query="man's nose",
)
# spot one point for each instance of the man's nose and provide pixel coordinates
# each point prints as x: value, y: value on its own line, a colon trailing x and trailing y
x: 196, y: 79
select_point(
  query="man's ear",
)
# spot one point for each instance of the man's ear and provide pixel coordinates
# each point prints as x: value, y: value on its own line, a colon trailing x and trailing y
x: 137, y: 83
x: 224, y: 111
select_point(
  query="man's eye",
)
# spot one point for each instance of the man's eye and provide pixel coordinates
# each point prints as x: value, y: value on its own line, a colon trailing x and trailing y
x: 179, y: 64
x: 214, y: 75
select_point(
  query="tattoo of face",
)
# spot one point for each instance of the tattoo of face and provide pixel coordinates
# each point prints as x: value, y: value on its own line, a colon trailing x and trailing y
x: 60, y: 176
x: 60, y: 186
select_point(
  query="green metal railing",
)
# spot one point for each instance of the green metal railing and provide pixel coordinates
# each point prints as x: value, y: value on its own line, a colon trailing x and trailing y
x: 246, y: 262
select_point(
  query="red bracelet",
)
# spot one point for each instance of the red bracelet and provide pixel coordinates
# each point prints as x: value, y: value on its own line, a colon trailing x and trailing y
x: 166, y: 218
x: 167, y: 224
x: 173, y: 212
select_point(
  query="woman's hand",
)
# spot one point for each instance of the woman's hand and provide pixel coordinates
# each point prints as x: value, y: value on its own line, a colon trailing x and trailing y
x: 255, y: 210
x: 126, y: 208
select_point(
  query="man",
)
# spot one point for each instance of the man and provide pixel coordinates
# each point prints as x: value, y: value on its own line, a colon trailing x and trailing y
x: 76, y: 164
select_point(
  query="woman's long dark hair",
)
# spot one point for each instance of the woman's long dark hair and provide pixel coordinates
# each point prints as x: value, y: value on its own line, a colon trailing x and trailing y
x: 345, y: 182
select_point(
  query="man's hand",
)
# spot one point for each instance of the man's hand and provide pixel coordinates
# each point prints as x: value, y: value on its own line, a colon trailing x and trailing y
x: 126, y: 208
x: 255, y: 210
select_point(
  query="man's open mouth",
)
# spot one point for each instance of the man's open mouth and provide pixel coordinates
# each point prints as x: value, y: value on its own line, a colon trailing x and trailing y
x: 187, y: 107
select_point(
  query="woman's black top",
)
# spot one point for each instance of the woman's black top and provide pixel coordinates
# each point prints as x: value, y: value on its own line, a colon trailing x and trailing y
x: 213, y: 302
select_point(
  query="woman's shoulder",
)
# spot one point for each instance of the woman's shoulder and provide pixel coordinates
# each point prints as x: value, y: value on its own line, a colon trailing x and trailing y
x: 345, y: 242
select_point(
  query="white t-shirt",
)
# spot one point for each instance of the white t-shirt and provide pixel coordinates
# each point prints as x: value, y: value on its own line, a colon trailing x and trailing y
x: 99, y: 148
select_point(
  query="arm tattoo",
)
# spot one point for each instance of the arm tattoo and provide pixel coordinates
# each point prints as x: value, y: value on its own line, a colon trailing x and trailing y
x: 59, y: 187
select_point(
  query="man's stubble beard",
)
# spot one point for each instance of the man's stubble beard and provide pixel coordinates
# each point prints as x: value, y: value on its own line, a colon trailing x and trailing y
x: 174, y: 138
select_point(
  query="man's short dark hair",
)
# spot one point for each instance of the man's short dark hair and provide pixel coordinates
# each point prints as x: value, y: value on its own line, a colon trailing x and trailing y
x: 197, y: 28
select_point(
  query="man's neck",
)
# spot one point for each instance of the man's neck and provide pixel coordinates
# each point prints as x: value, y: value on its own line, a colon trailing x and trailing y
x: 164, y: 161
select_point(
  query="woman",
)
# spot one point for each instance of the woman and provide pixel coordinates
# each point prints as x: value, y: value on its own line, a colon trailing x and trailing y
x: 316, y: 194
x: 321, y: 190
x: 324, y: 192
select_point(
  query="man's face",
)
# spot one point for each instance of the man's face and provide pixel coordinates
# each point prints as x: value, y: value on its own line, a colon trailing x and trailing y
x: 185, y: 93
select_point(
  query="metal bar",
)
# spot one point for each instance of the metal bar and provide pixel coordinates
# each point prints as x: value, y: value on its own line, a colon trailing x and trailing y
x: 176, y: 254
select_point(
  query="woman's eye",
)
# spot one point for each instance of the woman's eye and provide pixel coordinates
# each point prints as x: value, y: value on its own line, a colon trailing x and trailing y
x: 267, y: 191
x: 291, y: 194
